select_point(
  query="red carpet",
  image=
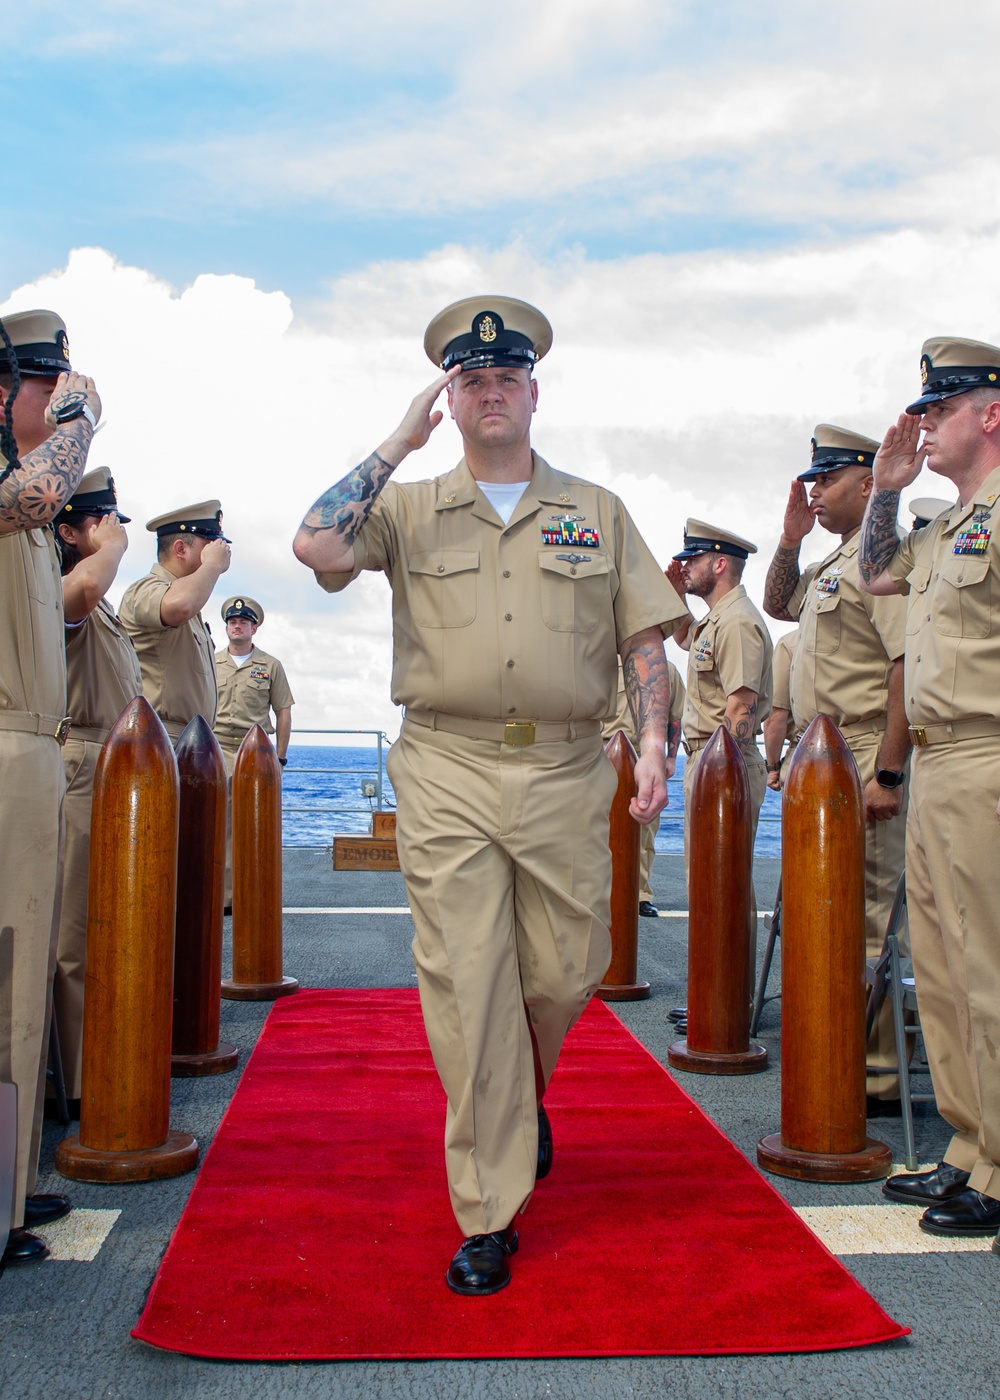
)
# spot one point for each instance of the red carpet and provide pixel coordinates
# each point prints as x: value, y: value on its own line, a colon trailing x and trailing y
x: 319, y: 1227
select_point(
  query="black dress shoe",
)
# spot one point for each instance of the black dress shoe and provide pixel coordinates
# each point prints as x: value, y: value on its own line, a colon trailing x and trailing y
x: 480, y: 1267
x: 677, y: 1013
x: 970, y: 1213
x: 882, y: 1108
x: 50, y: 1110
x: 544, y: 1144
x: 648, y: 910
x: 23, y: 1247
x: 39, y: 1210
x: 927, y: 1188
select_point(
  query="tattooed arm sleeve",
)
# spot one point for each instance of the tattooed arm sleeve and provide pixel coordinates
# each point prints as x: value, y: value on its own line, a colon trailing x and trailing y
x: 36, y: 491
x: 647, y: 684
x: 325, y: 539
x: 780, y: 584
x: 879, y: 541
x: 741, y: 717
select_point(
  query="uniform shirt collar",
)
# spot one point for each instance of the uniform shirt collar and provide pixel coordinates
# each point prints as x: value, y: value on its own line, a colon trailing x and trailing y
x: 546, y: 487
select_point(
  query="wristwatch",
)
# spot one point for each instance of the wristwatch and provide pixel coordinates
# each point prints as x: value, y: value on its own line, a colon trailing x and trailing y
x: 889, y: 778
x: 773, y: 767
x: 70, y: 412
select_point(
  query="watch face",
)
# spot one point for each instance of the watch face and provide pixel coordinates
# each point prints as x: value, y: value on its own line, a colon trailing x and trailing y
x: 888, y: 778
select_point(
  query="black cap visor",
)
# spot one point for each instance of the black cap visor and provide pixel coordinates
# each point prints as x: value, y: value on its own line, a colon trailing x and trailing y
x: 693, y: 547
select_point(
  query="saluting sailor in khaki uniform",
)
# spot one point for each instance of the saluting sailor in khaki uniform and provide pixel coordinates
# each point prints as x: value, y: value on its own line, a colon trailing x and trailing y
x: 47, y: 418
x: 514, y: 588
x: 950, y: 574
x: 779, y: 727
x: 624, y: 720
x: 251, y: 685
x: 729, y: 654
x: 103, y: 676
x: 848, y: 664
x: 162, y: 614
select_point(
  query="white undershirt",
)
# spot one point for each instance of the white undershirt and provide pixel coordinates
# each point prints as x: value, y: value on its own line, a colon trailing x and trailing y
x: 239, y: 660
x: 503, y: 496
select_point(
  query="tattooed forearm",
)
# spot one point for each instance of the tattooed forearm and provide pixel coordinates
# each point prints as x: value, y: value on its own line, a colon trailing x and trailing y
x: 741, y: 718
x: 37, y: 491
x: 673, y: 737
x: 647, y: 685
x: 780, y: 584
x: 879, y: 540
x: 346, y: 506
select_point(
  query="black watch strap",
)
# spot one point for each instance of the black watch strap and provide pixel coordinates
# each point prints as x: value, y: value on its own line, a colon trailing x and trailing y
x: 889, y: 778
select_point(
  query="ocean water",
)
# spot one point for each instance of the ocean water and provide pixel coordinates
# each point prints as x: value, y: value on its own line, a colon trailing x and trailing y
x: 322, y: 796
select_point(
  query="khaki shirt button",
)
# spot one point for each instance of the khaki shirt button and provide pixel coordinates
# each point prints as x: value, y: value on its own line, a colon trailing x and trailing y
x: 512, y: 710
x: 508, y: 617
x: 506, y: 573
x: 440, y: 568
x: 510, y: 665
x: 572, y: 571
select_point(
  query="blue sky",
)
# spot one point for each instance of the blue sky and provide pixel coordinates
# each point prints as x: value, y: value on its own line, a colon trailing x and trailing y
x: 741, y: 218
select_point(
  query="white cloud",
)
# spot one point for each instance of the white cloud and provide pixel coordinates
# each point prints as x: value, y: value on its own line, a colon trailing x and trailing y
x: 690, y: 385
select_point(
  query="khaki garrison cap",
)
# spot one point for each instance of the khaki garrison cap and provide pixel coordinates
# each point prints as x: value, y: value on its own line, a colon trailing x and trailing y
x: 833, y: 448
x: 480, y: 332
x: 949, y: 367
x: 701, y: 538
x: 203, y: 519
x: 928, y: 508
x: 243, y: 607
x: 95, y: 495
x: 41, y: 347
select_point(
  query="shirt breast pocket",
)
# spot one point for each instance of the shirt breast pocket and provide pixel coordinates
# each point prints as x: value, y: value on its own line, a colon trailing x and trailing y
x: 575, y: 596
x: 963, y: 602
x: 827, y: 611
x: 443, y: 587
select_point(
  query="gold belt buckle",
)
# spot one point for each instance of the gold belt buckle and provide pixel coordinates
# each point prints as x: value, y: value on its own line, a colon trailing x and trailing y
x: 63, y: 728
x: 918, y: 736
x: 519, y: 731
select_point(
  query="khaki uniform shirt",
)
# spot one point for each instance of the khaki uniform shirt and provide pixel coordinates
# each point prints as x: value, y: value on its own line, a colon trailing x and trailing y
x: 178, y: 663
x: 102, y: 671
x: 781, y: 664
x: 491, y: 621
x: 248, y: 693
x: 32, y: 655
x: 848, y: 641
x: 730, y: 648
x: 950, y: 572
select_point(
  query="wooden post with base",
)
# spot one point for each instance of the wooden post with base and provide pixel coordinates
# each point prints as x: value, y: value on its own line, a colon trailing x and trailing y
x: 620, y: 982
x: 257, y: 974
x: 125, y: 1107
x: 201, y: 873
x: 720, y: 985
x: 823, y: 1129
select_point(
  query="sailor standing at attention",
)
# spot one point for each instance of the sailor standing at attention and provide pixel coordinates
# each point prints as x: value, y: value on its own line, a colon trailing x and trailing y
x: 949, y: 572
x: 47, y: 419
x: 251, y: 684
x: 848, y: 664
x: 162, y: 614
x: 515, y: 587
x: 102, y: 672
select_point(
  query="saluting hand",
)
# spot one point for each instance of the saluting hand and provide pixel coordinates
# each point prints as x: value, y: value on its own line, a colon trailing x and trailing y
x: 218, y: 555
x: 675, y: 574
x: 72, y: 388
x: 419, y: 422
x: 109, y: 533
x: 799, y: 519
x: 898, y: 460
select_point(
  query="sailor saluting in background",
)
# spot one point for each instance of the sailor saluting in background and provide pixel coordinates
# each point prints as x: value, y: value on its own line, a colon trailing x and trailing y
x: 49, y: 414
x: 514, y: 586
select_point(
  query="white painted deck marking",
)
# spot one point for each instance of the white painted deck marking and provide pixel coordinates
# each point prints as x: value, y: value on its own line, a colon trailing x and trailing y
x: 78, y: 1235
x: 404, y: 909
x: 882, y: 1229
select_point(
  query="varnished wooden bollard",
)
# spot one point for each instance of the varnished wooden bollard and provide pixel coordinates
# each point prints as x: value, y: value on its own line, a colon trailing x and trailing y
x: 823, y: 1131
x: 257, y: 974
x: 720, y: 911
x: 620, y: 982
x: 125, y: 1108
x: 201, y: 872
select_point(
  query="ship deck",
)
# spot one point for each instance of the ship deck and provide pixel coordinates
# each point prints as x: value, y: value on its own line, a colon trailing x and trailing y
x: 65, y: 1323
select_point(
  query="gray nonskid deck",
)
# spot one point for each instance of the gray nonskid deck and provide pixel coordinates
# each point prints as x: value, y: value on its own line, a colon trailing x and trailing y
x: 65, y: 1325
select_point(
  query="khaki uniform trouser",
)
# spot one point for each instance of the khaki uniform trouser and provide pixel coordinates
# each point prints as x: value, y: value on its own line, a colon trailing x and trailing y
x: 952, y: 858
x: 885, y: 856
x: 229, y: 754
x: 647, y: 854
x: 30, y: 881
x: 504, y: 850
x: 80, y: 762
